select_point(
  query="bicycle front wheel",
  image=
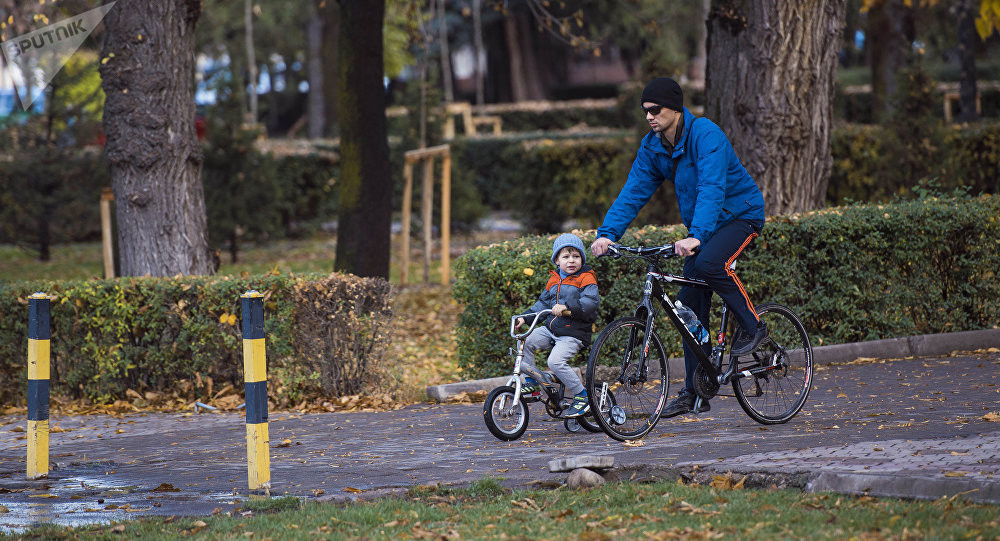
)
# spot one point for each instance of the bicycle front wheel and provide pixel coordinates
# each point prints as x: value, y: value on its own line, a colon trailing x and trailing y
x: 506, y: 418
x: 778, y: 376
x: 626, y: 391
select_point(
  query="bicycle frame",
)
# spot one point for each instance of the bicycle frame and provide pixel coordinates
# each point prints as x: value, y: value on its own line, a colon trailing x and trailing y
x: 645, y: 310
x: 515, y: 378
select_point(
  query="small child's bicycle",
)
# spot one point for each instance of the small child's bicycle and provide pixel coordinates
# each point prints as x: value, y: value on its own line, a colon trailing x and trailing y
x: 506, y: 408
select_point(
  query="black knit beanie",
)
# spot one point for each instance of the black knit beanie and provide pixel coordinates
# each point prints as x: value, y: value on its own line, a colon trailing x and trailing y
x: 664, y: 91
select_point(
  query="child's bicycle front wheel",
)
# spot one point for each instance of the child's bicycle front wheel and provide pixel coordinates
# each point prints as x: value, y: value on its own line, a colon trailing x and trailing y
x: 506, y: 418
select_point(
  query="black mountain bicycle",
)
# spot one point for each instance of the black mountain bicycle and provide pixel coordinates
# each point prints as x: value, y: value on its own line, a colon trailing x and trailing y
x: 628, y: 376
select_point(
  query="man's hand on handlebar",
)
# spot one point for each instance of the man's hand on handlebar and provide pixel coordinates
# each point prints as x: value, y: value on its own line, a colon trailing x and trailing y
x: 519, y: 322
x: 560, y: 310
x: 600, y: 246
x: 686, y: 247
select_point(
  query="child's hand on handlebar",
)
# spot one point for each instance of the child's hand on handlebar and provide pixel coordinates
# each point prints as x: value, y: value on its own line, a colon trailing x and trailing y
x: 560, y: 310
x: 519, y: 322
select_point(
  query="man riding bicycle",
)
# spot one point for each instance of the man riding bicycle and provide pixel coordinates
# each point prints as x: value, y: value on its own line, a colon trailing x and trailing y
x: 720, y: 204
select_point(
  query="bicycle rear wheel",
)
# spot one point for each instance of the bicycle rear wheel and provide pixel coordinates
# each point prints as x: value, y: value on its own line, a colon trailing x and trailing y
x: 779, y: 372
x: 626, y: 394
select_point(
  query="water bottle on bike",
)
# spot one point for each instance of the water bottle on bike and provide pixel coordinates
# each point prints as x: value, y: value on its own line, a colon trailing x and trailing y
x: 690, y: 321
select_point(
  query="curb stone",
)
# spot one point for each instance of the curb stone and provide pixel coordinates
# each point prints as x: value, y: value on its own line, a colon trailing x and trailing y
x: 890, y: 348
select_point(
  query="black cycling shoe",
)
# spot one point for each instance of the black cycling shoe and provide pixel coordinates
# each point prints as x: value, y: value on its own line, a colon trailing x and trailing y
x: 744, y: 344
x: 684, y: 403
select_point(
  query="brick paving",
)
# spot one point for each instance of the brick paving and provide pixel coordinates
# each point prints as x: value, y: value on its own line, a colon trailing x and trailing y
x: 912, y: 427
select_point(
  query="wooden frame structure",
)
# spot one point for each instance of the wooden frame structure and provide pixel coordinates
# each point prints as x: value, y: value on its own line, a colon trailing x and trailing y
x: 469, y: 122
x: 427, y: 156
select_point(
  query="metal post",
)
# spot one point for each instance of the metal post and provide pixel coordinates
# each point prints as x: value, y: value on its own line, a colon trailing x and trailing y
x: 38, y: 385
x: 255, y: 389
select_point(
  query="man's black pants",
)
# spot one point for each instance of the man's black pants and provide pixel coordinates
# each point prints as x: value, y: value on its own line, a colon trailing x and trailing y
x: 713, y: 263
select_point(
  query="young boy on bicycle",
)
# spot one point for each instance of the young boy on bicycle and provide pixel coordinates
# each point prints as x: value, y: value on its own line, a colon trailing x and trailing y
x: 573, y: 287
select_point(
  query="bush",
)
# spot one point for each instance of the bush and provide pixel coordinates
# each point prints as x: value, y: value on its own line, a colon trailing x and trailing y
x: 868, y: 159
x: 852, y: 273
x: 324, y: 335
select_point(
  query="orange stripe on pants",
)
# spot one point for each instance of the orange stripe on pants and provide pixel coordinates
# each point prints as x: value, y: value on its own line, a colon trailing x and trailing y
x: 732, y: 274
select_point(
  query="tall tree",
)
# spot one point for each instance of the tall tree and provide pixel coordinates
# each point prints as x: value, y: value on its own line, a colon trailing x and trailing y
x: 890, y: 33
x: 770, y: 86
x: 966, y: 13
x: 365, y: 200
x: 153, y: 154
x: 329, y: 13
x: 314, y: 48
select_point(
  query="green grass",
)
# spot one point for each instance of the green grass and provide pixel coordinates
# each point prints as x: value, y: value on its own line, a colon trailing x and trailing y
x: 665, y: 510
x: 68, y: 262
x: 84, y: 261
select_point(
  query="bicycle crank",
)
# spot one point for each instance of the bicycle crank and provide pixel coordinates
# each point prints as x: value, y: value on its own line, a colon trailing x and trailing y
x: 706, y: 385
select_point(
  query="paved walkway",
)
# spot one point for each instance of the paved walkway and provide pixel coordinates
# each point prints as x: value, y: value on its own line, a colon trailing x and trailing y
x: 924, y: 427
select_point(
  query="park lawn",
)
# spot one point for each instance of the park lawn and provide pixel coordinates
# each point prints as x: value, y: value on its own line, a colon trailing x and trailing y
x: 664, y: 510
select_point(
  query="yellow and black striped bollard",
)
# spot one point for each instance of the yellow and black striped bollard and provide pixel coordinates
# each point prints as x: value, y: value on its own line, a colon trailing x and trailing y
x: 255, y: 387
x: 38, y: 385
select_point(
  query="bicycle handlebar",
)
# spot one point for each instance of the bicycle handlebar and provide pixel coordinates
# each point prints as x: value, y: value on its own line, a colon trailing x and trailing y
x: 534, y: 322
x: 665, y: 251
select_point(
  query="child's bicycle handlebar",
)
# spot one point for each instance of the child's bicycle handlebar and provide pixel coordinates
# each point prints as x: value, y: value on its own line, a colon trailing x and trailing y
x: 534, y: 322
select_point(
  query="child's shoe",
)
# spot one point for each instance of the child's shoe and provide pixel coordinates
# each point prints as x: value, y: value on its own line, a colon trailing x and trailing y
x: 530, y: 388
x: 579, y: 406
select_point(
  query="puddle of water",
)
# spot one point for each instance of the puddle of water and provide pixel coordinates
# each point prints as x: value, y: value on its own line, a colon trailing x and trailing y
x: 83, y: 499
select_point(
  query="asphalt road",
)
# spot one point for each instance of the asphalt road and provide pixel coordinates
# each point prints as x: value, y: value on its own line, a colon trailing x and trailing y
x: 876, y: 427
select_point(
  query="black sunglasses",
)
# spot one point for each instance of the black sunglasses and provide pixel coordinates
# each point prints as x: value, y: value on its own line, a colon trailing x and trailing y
x: 654, y: 110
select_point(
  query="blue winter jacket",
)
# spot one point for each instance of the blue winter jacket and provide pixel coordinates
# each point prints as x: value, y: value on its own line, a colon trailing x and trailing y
x: 712, y: 186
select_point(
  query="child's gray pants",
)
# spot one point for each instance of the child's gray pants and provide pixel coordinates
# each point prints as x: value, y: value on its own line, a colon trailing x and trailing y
x: 563, y: 349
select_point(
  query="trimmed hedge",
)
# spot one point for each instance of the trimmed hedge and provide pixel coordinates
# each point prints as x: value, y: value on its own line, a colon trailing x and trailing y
x: 869, y: 162
x: 852, y: 273
x: 325, y: 334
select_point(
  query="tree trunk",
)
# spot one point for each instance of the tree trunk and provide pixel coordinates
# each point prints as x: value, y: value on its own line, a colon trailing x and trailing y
x: 152, y: 152
x: 770, y: 86
x: 446, y: 78
x: 314, y: 105
x: 967, y: 49
x: 887, y: 52
x: 252, y: 70
x: 696, y: 69
x: 518, y: 86
x: 525, y: 75
x: 365, y: 199
x: 329, y: 12
x: 477, y: 38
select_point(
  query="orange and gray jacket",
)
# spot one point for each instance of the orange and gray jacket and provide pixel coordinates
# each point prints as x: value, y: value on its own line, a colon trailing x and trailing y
x: 578, y: 292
